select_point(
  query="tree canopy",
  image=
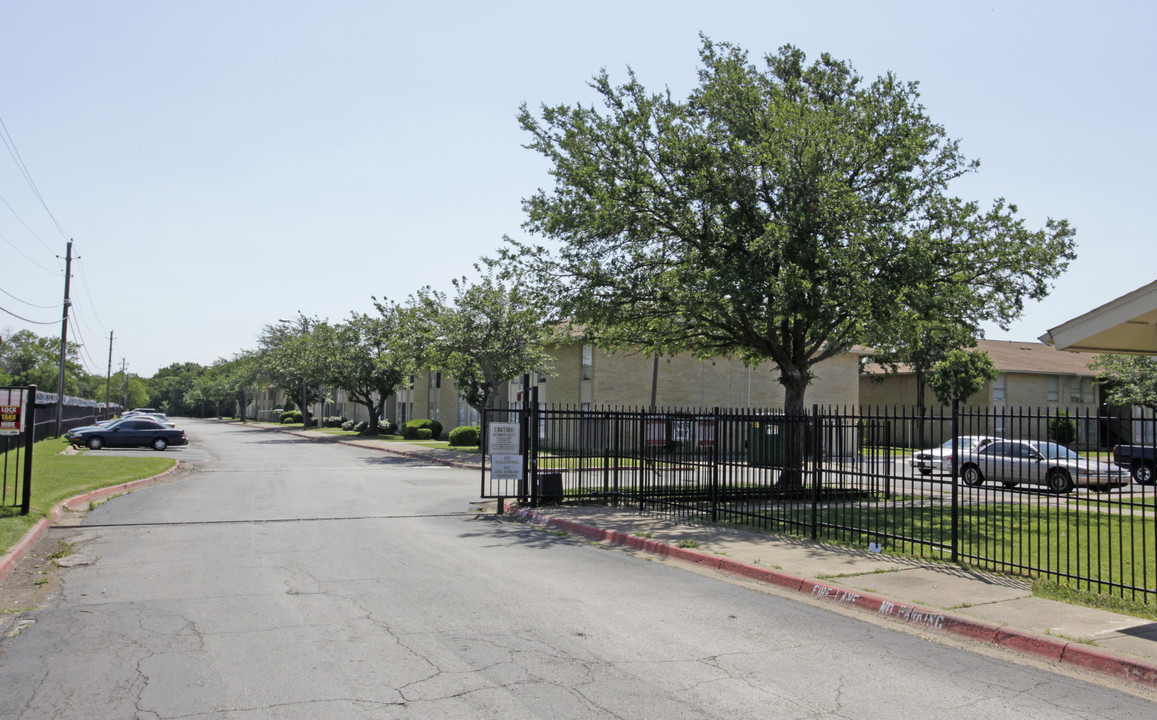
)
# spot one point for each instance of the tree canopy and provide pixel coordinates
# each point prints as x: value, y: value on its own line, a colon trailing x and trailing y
x: 783, y: 213
x: 1128, y: 379
x: 489, y: 333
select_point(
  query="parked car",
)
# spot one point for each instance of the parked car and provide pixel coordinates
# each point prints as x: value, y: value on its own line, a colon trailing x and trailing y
x: 127, y: 432
x: 159, y: 417
x: 939, y: 459
x: 1034, y: 462
x: 1139, y: 460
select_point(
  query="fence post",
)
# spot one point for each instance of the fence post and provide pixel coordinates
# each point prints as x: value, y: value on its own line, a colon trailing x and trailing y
x: 29, y: 441
x: 954, y: 469
x: 817, y: 468
x: 714, y: 463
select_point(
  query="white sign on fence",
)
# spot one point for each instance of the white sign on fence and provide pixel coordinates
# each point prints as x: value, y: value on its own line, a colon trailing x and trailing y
x: 503, y: 438
x: 505, y: 467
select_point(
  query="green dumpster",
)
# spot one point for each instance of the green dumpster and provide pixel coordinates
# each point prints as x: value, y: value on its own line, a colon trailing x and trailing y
x: 765, y: 443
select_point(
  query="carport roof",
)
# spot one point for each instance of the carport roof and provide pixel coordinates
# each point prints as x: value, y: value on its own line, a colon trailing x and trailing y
x: 1125, y: 325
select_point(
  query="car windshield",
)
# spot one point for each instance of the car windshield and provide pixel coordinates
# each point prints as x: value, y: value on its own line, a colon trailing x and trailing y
x: 1053, y: 450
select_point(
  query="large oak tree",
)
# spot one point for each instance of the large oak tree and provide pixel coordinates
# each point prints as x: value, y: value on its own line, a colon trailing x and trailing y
x: 783, y: 212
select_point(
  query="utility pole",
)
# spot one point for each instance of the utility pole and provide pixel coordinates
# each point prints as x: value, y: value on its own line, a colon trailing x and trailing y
x: 63, y: 342
x: 108, y: 379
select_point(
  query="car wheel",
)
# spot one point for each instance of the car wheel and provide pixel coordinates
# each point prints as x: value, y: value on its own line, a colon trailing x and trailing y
x: 1060, y: 482
x: 160, y: 444
x: 972, y: 476
x: 1143, y: 473
x: 94, y: 443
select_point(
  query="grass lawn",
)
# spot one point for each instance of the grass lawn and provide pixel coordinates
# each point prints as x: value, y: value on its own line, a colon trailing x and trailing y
x: 1063, y: 545
x: 57, y: 477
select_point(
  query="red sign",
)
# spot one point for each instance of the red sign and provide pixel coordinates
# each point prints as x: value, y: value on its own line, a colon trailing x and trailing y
x: 11, y: 419
x: 12, y: 401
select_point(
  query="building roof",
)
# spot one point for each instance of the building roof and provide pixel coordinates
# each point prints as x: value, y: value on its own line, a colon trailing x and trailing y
x: 1125, y: 325
x: 1022, y: 357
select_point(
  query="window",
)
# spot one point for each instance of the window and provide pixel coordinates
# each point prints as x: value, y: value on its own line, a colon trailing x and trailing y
x: 1054, y: 390
x: 1075, y: 390
x: 1087, y: 391
x: 588, y: 361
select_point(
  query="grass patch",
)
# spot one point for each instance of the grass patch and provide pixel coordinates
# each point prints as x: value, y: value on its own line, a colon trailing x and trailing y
x: 57, y: 477
x: 1006, y: 538
x: 689, y: 544
x: 1063, y: 593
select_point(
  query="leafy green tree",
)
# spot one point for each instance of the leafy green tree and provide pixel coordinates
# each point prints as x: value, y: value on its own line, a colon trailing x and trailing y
x: 30, y: 359
x: 782, y: 214
x: 490, y: 333
x: 372, y: 357
x: 226, y: 386
x: 295, y: 357
x: 960, y: 375
x: 169, y: 388
x: 1128, y: 379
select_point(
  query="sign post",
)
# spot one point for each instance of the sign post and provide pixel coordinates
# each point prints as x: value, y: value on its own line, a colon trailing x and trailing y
x: 18, y: 417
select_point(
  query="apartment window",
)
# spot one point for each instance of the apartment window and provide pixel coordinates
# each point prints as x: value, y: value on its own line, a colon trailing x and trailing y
x: 588, y: 361
x: 1088, y: 392
x: 1075, y: 390
x: 1054, y: 388
x: 998, y: 387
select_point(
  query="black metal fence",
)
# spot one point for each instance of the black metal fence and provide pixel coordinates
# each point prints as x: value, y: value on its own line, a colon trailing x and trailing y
x: 1020, y: 502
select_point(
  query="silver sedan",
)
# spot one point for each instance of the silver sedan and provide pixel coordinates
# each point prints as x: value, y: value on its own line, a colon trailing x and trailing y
x: 1033, y: 462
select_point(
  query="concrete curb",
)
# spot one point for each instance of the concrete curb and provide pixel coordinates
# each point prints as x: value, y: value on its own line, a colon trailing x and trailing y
x: 403, y: 453
x: 1040, y: 646
x: 20, y: 549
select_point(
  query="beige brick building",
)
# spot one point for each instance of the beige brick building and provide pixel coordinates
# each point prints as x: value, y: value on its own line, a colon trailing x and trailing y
x: 1034, y: 379
x: 586, y: 377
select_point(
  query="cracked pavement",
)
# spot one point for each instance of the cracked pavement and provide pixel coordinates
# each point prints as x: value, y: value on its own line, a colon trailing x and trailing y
x: 295, y: 580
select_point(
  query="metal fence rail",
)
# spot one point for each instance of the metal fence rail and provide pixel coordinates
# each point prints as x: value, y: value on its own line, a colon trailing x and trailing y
x: 852, y: 476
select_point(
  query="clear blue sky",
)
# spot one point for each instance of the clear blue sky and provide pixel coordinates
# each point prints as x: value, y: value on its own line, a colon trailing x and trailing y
x: 221, y: 165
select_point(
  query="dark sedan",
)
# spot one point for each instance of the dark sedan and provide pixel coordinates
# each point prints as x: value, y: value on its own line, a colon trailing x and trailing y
x: 127, y: 432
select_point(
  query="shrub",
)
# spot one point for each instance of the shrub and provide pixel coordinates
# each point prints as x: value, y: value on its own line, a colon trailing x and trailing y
x: 359, y: 427
x: 465, y: 436
x: 410, y: 429
x: 423, y: 434
x: 1062, y: 430
x: 333, y: 421
x: 388, y: 428
x: 348, y: 425
x: 291, y: 416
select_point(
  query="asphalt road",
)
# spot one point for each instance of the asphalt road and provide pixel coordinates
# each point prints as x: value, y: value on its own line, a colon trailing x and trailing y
x: 284, y: 578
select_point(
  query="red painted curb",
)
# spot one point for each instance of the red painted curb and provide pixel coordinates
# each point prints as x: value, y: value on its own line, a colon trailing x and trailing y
x: 1041, y: 646
x: 17, y: 552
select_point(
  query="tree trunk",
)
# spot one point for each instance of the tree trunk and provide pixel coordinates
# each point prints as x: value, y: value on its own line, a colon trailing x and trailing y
x: 794, y: 431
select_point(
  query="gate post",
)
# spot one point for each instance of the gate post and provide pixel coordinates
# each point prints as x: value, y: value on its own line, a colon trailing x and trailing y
x: 818, y: 471
x: 954, y: 469
x: 714, y: 463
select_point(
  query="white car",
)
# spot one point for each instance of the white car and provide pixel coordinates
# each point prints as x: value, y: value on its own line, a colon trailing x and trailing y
x: 939, y: 459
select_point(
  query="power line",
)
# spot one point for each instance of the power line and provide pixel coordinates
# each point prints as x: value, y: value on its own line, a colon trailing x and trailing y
x: 9, y: 143
x: 34, y: 322
x: 88, y: 293
x: 25, y: 302
x: 17, y: 249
